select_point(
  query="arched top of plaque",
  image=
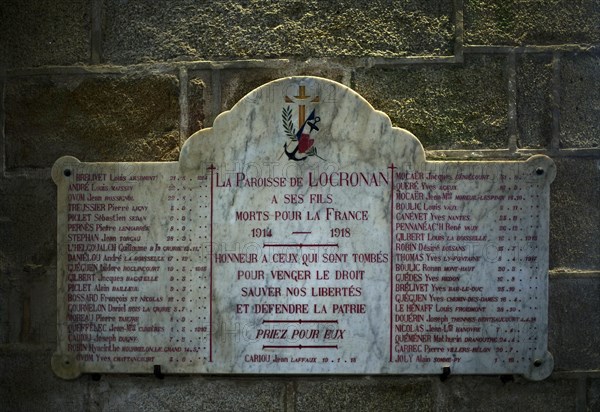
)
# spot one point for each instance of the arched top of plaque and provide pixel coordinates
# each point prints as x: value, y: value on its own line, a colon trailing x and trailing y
x: 307, y: 120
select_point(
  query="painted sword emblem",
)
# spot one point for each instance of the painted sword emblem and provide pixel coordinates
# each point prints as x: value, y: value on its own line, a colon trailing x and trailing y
x: 304, y: 137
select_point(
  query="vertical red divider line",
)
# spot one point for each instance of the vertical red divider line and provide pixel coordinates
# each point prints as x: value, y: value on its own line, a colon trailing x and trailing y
x: 391, y: 260
x: 212, y: 168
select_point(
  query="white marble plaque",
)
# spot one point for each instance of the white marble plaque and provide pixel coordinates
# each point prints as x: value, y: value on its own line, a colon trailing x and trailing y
x: 303, y: 234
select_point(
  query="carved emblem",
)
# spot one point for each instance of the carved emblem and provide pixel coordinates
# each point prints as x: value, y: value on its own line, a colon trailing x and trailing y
x: 304, y: 137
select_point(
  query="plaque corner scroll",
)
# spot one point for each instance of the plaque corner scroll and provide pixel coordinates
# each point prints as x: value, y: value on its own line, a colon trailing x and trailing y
x: 65, y: 365
x: 543, y: 167
x: 540, y: 368
x: 63, y: 168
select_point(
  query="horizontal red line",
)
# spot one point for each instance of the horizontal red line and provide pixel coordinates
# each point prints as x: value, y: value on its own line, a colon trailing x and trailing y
x: 300, y: 321
x: 300, y: 347
x: 301, y: 233
x: 300, y: 245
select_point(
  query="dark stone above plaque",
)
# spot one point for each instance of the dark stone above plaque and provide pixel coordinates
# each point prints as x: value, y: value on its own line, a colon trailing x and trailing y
x: 303, y: 234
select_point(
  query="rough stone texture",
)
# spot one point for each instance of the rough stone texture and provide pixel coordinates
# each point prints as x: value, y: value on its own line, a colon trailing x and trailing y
x: 92, y: 118
x: 237, y: 83
x: 27, y: 261
x: 199, y: 101
x: 119, y: 393
x: 521, y: 22
x: 27, y: 206
x: 534, y: 100
x: 593, y: 395
x: 446, y: 107
x: 490, y: 394
x: 574, y: 316
x: 44, y: 32
x: 580, y: 100
x: 146, y: 30
x: 28, y: 306
x: 575, y: 214
x: 360, y: 394
x: 27, y: 382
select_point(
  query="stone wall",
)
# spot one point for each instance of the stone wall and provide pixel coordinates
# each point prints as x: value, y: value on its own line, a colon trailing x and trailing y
x: 119, y: 80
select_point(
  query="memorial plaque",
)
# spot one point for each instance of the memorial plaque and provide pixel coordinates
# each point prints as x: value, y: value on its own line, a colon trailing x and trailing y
x: 303, y: 234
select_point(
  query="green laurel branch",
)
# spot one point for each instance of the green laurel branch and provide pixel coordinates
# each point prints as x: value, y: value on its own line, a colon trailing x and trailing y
x: 288, y: 125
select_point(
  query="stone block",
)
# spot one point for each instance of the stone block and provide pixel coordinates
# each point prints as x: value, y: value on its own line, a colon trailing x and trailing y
x: 27, y: 382
x: 44, y: 32
x: 94, y: 118
x: 200, y: 98
x: 446, y: 107
x: 575, y: 214
x: 28, y: 222
x: 118, y: 393
x: 482, y: 393
x: 144, y: 31
x: 236, y: 83
x: 525, y: 22
x: 580, y: 100
x: 28, y: 307
x: 365, y: 394
x: 574, y: 317
x: 534, y: 100
x: 593, y: 395
x: 27, y: 260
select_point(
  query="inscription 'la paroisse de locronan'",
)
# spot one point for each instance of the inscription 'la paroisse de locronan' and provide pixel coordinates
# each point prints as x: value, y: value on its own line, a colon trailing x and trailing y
x: 303, y: 234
